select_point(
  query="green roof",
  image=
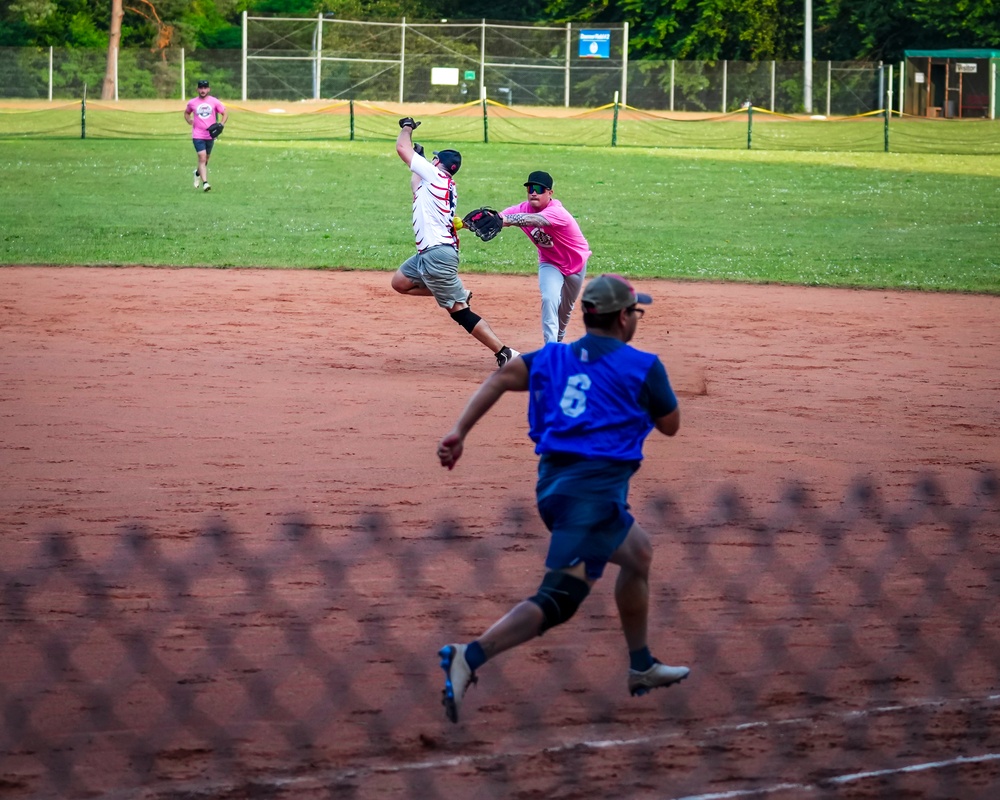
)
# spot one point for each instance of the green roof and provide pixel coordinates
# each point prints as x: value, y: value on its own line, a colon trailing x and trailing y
x: 952, y: 53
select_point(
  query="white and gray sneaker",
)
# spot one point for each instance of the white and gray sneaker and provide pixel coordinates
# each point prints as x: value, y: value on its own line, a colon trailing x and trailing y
x: 197, y: 180
x: 457, y: 678
x: 207, y: 187
x: 506, y: 355
x: 639, y: 683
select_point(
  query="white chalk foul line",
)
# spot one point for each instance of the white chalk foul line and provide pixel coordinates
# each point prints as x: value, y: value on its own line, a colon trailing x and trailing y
x: 842, y: 779
x: 328, y: 777
x: 638, y: 741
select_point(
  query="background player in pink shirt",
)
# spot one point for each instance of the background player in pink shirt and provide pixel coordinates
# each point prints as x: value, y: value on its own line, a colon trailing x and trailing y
x: 562, y: 252
x: 202, y: 111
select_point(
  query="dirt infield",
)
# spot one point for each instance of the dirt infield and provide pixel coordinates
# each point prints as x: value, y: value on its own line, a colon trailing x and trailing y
x: 163, y: 395
x: 168, y: 396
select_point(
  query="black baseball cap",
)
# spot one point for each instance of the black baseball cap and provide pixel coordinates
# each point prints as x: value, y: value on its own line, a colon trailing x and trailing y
x: 451, y: 160
x: 202, y: 84
x: 610, y: 293
x: 541, y: 178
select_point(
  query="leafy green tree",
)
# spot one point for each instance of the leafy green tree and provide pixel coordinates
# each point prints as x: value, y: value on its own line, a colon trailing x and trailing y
x: 747, y: 30
x: 960, y: 23
x: 883, y: 29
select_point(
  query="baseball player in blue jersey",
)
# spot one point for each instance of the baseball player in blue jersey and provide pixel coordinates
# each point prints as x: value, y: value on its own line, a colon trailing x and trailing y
x: 592, y: 403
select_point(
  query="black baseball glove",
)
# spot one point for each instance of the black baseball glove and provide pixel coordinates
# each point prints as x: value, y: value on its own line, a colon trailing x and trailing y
x: 409, y: 122
x: 484, y: 222
x: 215, y: 130
x: 418, y: 149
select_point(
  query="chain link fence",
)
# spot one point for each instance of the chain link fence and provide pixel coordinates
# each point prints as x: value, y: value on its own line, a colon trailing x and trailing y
x: 318, y: 58
x: 843, y: 650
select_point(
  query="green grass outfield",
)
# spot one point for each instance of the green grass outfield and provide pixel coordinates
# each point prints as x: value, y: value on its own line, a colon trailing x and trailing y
x: 830, y: 219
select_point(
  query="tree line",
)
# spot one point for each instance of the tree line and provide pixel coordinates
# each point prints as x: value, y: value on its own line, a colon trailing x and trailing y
x: 741, y: 30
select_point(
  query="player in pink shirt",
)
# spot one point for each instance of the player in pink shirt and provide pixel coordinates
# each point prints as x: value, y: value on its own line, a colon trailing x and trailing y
x: 562, y: 252
x: 201, y: 112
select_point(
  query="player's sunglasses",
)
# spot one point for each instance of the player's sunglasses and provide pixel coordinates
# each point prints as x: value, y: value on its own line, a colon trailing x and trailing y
x: 636, y: 310
x: 536, y: 188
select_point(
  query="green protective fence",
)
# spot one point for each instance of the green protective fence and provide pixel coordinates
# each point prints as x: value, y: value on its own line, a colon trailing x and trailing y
x: 492, y: 122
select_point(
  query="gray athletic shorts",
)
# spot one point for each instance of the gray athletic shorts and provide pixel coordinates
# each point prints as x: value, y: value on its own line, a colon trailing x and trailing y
x: 437, y: 269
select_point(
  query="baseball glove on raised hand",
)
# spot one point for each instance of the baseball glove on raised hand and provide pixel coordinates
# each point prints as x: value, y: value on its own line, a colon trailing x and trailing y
x: 484, y: 222
x: 215, y: 130
x: 409, y: 122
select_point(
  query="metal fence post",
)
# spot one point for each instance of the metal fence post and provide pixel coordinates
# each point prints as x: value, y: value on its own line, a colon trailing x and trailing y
x: 318, y: 69
x: 749, y: 126
x: 902, y: 86
x: 244, y: 82
x: 993, y: 89
x: 402, y: 58
x: 725, y: 85
x: 888, y: 93
x: 614, y: 124
x: 486, y: 124
x: 183, y: 81
x: 773, y: 71
x: 482, y: 60
x: 83, y: 114
x: 569, y: 46
x: 829, y: 85
x: 50, y: 72
x: 673, y: 62
x: 625, y: 65
x: 352, y: 119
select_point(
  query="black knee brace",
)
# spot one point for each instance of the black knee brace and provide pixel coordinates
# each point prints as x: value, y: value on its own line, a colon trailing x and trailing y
x: 559, y: 596
x: 467, y: 318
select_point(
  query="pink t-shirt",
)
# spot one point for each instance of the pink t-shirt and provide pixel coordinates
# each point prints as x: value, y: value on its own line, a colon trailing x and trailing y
x: 205, y: 113
x: 560, y: 243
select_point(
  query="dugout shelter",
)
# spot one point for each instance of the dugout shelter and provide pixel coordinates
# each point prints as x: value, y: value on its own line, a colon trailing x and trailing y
x: 952, y: 84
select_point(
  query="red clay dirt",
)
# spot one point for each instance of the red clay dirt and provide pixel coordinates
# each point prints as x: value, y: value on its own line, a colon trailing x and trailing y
x: 168, y: 397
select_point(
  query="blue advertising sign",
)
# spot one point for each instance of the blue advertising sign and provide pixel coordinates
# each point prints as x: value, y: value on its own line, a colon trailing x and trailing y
x: 595, y: 44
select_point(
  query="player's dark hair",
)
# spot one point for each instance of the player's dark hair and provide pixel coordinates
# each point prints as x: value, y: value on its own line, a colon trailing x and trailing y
x: 602, y: 322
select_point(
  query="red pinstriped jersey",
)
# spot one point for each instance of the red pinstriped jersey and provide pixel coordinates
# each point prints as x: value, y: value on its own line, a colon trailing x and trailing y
x: 434, y: 201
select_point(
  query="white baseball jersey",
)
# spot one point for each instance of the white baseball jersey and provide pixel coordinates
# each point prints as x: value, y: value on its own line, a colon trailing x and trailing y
x: 434, y: 202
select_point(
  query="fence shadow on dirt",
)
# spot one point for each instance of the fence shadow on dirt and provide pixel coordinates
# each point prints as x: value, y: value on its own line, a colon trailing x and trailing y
x: 846, y: 649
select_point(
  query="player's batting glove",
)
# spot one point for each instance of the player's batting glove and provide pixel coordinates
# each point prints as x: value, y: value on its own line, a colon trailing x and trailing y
x: 418, y: 149
x: 409, y: 122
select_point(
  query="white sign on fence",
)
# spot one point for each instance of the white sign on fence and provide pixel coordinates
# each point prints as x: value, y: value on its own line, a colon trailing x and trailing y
x: 444, y: 76
x: 966, y: 67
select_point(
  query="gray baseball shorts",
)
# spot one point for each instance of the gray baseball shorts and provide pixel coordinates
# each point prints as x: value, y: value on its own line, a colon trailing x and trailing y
x: 437, y: 269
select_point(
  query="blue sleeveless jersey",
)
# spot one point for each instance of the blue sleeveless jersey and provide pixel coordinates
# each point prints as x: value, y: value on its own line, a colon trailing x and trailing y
x: 592, y: 399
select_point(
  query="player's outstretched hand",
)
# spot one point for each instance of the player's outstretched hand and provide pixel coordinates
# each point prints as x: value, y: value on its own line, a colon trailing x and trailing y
x: 409, y: 122
x: 484, y: 222
x: 450, y: 450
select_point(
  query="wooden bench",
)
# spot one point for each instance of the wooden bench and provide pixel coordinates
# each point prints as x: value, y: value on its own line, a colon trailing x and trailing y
x: 976, y: 105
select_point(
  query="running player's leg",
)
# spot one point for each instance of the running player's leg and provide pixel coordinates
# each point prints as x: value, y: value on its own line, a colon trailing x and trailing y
x: 550, y: 284
x: 201, y: 151
x: 439, y: 267
x: 203, y: 158
x: 406, y: 279
x: 571, y: 287
x: 634, y: 556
